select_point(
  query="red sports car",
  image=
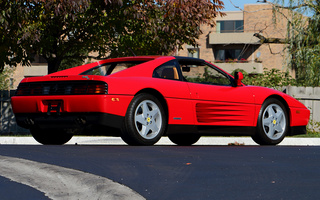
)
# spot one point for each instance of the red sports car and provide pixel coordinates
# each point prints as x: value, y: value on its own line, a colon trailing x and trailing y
x: 146, y: 97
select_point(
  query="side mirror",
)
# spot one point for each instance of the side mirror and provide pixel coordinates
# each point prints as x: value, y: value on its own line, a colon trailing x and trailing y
x: 238, y: 76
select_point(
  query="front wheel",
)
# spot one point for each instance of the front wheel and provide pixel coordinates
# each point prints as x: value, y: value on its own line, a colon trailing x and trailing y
x: 50, y: 136
x: 145, y: 121
x: 272, y: 124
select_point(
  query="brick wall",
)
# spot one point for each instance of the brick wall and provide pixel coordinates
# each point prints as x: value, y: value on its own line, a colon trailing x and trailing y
x: 259, y: 18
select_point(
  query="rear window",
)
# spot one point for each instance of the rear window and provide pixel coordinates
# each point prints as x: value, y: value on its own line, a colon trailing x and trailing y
x: 111, y: 68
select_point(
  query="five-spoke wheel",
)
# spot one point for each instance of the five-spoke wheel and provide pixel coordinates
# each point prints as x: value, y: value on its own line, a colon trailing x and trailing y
x: 145, y: 121
x: 148, y: 119
x: 272, y: 123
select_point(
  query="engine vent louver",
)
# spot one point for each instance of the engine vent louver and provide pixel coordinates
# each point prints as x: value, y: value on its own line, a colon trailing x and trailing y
x: 62, y: 88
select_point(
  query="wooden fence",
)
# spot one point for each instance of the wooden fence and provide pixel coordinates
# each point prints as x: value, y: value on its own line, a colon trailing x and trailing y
x: 309, y: 96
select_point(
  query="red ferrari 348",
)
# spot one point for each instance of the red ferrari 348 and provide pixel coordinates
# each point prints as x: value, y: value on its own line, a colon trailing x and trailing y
x: 144, y: 98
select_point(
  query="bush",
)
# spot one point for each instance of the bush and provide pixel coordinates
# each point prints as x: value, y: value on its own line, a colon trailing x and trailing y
x: 5, y: 78
x: 273, y: 78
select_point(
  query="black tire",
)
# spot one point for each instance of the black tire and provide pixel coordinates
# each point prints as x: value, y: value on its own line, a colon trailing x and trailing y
x: 184, y: 139
x: 50, y: 136
x: 273, y: 122
x: 145, y: 121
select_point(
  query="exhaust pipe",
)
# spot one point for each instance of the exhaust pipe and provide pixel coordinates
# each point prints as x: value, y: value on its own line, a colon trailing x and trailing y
x: 81, y: 121
x: 29, y: 121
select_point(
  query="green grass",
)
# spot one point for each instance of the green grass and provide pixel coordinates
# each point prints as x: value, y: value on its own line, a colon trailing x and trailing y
x: 309, y: 135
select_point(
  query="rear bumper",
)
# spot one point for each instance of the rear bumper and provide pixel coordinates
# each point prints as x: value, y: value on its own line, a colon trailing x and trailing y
x: 71, y: 104
x: 68, y: 120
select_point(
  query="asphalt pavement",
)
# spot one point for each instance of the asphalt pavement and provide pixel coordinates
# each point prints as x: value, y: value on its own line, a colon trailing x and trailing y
x: 161, y: 172
x: 83, y: 140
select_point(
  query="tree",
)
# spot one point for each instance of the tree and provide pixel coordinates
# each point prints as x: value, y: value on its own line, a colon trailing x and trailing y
x: 305, y: 46
x: 11, y: 51
x: 79, y: 29
x: 5, y: 78
x: 303, y: 39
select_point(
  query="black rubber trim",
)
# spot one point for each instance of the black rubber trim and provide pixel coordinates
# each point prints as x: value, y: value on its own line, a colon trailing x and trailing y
x: 68, y: 120
x: 212, y: 130
x: 298, y: 130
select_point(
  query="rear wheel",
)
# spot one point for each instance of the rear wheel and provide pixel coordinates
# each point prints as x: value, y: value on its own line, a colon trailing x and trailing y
x: 50, y: 136
x: 184, y: 139
x: 145, y: 121
x: 272, y: 124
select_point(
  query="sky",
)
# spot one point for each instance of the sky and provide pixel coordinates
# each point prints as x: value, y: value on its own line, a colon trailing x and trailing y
x: 229, y: 7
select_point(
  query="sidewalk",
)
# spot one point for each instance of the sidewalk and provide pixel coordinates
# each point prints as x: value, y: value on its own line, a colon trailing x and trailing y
x: 164, y: 141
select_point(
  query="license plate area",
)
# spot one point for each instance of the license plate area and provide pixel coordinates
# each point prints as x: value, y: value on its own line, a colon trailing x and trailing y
x: 53, y: 106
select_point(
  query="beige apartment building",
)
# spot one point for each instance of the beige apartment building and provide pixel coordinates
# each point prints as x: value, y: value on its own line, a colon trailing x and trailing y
x: 38, y: 68
x: 230, y: 45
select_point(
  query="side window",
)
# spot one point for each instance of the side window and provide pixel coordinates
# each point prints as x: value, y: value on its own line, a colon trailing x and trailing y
x: 205, y: 74
x: 110, y: 68
x: 100, y: 70
x: 167, y: 71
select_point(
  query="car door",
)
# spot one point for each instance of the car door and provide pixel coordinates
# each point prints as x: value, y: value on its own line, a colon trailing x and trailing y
x: 176, y: 93
x: 216, y: 101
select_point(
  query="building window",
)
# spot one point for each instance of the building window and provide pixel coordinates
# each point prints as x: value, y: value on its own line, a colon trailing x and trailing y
x: 193, y: 52
x: 234, y: 26
x: 227, y: 54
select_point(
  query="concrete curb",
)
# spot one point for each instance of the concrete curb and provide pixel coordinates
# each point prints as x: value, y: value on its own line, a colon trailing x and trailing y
x: 164, y: 141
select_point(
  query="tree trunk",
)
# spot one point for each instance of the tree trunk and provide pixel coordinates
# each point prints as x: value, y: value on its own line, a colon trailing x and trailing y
x: 53, y: 65
x: 270, y: 40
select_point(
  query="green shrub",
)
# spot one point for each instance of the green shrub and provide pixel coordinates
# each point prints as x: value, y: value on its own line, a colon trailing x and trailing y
x: 273, y: 78
x: 5, y: 78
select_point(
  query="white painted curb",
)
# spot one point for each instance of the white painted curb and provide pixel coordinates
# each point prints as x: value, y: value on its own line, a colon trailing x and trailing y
x: 164, y: 141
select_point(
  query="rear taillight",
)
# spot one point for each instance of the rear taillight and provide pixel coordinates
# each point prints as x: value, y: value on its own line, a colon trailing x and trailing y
x: 90, y: 89
x: 98, y: 89
x: 62, y: 88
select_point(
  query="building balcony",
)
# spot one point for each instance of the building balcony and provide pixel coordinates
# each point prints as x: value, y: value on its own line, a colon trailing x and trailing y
x: 36, y: 69
x: 249, y: 67
x: 233, y: 38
